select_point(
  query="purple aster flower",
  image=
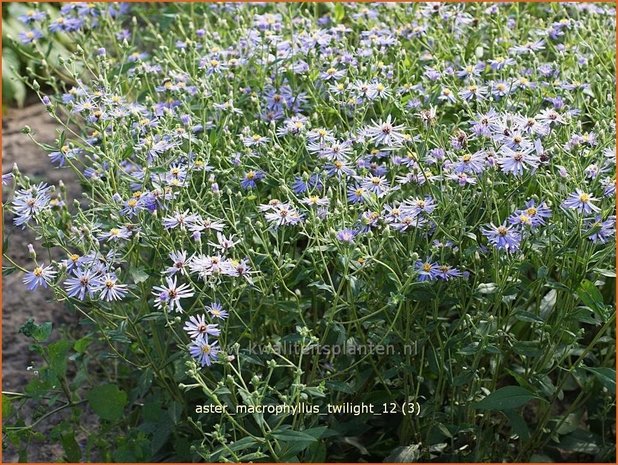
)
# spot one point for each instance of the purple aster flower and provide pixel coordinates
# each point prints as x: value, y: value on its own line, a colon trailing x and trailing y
x: 27, y: 37
x: 203, y: 351
x: 533, y: 215
x: 302, y: 185
x: 339, y: 168
x: 181, y: 220
x: 32, y: 16
x: 368, y: 220
x: 427, y: 270
x: 112, y: 290
x: 515, y: 162
x: 581, y: 201
x: 601, y: 231
x: 385, y: 133
x: 502, y: 237
x: 377, y: 185
x: 446, y: 272
x: 83, y: 281
x: 40, y: 276
x: 171, y: 294
x: 283, y: 215
x: 30, y: 202
x: 197, y: 327
x: 470, y: 163
x: 357, y: 194
x: 462, y: 178
x: 216, y: 311
x: 251, y: 178
x: 115, y: 234
x: 179, y: 260
x: 346, y: 235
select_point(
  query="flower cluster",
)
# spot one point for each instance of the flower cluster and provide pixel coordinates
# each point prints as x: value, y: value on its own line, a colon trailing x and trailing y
x: 392, y: 162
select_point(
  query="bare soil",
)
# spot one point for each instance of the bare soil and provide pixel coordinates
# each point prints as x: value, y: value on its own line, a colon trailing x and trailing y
x: 18, y: 304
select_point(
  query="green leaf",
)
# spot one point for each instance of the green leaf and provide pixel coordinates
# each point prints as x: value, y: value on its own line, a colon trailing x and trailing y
x: 82, y: 344
x: 292, y: 442
x: 487, y: 288
x: 592, y: 298
x: 139, y: 275
x: 518, y: 424
x: 58, y: 356
x: 107, y: 401
x: 508, y: 397
x: 339, y: 12
x: 42, y: 332
x: 6, y: 407
x: 607, y: 377
x: 71, y: 448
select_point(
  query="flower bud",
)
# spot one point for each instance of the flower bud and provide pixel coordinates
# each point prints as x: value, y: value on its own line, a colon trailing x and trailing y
x: 31, y: 252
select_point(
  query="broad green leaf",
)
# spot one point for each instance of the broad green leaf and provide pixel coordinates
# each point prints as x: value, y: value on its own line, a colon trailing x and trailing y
x: 339, y: 12
x: 607, y: 377
x: 139, y: 275
x: 508, y: 397
x: 71, y: 449
x: 42, y: 332
x: 518, y: 424
x: 592, y: 298
x: 107, y: 401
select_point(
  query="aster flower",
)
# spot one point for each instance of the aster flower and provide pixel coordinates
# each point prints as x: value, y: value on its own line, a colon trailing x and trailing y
x: 473, y: 92
x: 283, y: 215
x: 197, y: 327
x: 237, y: 269
x: 169, y: 295
x: 254, y: 140
x: 216, y: 311
x: 204, y: 351
x: 385, y: 133
x: 251, y: 178
x: 357, y: 194
x: 111, y: 289
x: 223, y: 243
x: 462, y: 179
x: 416, y: 206
x: 332, y: 74
x: 32, y: 16
x: 447, y: 272
x: 30, y: 202
x: 427, y: 270
x: 28, y: 37
x: 516, y: 162
x: 368, y: 220
x: 377, y: 185
x: 346, y: 235
x: 204, y: 265
x: 502, y: 237
x: 40, y: 276
x: 581, y: 201
x: 600, y: 231
x: 407, y: 221
x: 532, y: 215
x: 316, y: 201
x: 115, y: 234
x: 83, y: 282
x: 470, y: 163
x: 179, y: 260
x: 181, y: 220
x: 302, y: 185
x: 339, y: 168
